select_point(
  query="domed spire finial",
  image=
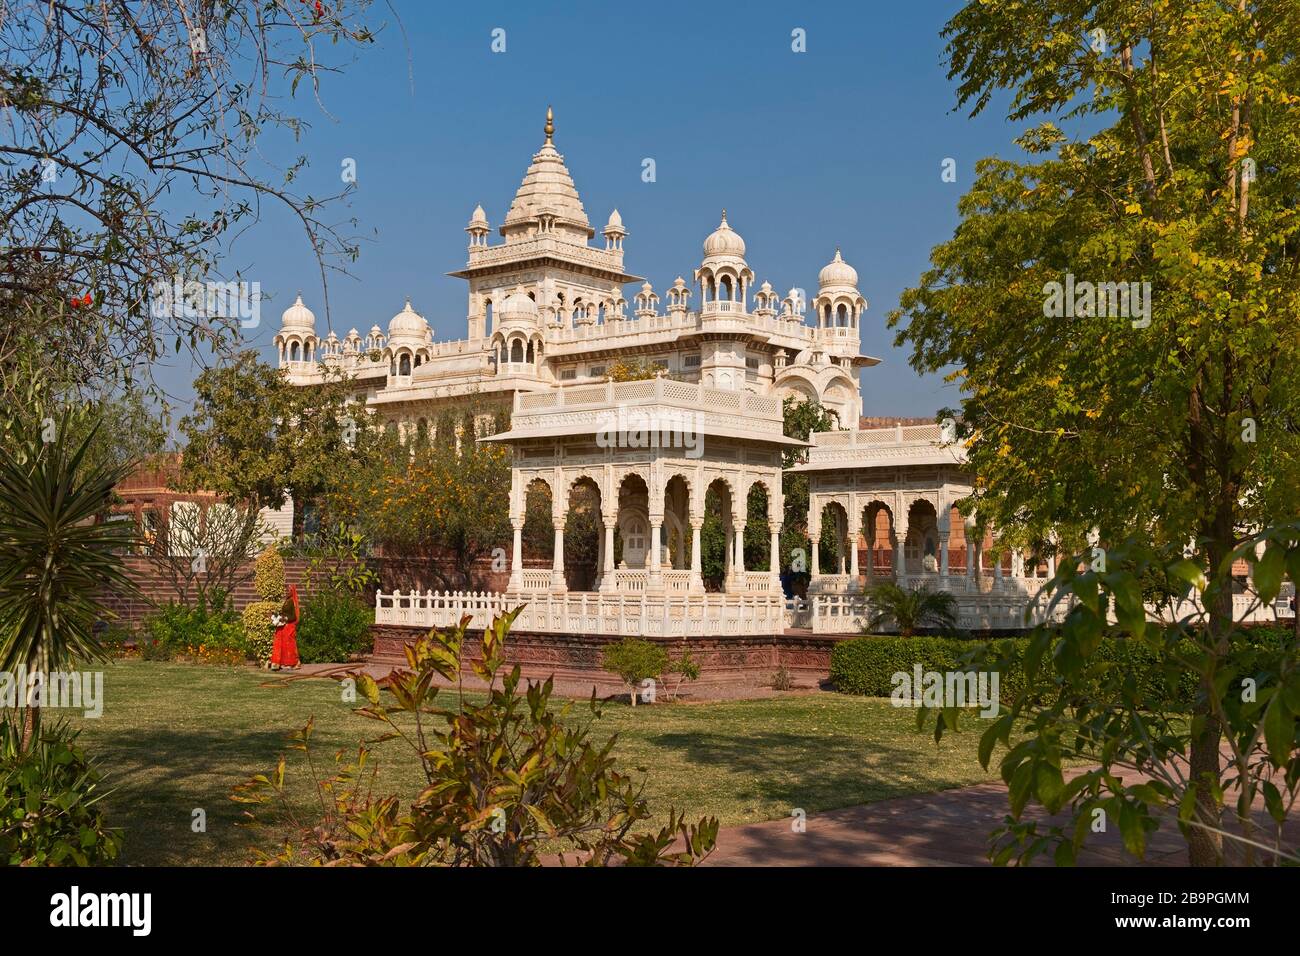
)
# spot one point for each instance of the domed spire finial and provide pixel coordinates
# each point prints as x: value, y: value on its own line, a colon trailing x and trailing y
x: 550, y: 125
x: 724, y: 215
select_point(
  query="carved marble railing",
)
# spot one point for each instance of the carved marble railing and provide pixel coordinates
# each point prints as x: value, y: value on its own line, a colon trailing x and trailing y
x: 1020, y: 604
x: 536, y: 579
x: 585, y: 612
x: 760, y: 413
x: 850, y: 613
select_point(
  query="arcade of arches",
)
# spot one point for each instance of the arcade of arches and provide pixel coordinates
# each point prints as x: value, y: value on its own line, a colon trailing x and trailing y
x: 615, y: 531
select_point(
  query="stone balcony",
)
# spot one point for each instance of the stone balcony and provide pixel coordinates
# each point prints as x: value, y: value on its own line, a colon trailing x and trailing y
x: 546, y: 246
x: 899, y: 445
x: 659, y: 403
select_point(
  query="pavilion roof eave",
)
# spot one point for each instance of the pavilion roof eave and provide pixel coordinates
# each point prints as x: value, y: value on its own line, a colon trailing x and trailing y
x: 619, y: 276
x: 571, y: 431
x: 922, y: 458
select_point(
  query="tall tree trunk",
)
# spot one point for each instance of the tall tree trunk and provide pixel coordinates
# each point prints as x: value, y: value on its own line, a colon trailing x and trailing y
x: 1205, y: 842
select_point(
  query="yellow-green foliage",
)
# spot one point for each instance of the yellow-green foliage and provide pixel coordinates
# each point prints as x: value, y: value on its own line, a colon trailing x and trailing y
x: 258, y: 627
x: 268, y: 576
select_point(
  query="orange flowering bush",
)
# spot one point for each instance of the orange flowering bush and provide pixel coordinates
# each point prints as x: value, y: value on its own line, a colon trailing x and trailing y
x: 428, y: 495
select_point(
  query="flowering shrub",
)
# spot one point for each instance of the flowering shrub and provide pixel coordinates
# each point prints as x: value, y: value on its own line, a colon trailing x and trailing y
x: 176, y: 630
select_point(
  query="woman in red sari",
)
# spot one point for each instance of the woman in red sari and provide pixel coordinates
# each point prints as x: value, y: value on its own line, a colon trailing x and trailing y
x: 284, y: 652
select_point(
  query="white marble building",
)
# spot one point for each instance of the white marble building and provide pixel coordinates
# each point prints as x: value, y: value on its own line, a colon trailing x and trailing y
x: 547, y: 308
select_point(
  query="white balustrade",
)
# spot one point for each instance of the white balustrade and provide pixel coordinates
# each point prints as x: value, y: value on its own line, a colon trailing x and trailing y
x: 584, y: 612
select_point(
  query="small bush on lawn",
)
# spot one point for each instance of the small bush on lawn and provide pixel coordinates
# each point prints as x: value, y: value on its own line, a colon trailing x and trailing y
x: 334, y: 626
x: 634, y: 660
x: 210, y: 636
x: 259, y: 632
x: 49, y: 802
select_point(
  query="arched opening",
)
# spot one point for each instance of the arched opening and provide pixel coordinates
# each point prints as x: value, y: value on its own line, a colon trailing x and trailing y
x: 878, y: 532
x: 404, y: 364
x: 841, y: 316
x: 517, y: 350
x: 538, y: 536
x: 724, y: 289
x: 957, y: 563
x: 583, y: 536
x: 921, y: 549
x: 487, y: 314
x: 632, y: 542
x: 758, y: 529
x: 677, y: 524
x: 716, y: 535
x: 833, y: 553
x: 295, y: 352
x: 528, y: 355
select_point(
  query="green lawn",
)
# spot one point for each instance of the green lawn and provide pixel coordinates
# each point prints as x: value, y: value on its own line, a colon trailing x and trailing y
x: 175, y: 737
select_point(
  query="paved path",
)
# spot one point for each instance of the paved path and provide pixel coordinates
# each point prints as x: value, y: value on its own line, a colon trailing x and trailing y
x: 948, y: 828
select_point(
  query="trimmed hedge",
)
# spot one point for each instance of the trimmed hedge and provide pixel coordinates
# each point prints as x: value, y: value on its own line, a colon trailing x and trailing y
x: 866, y: 665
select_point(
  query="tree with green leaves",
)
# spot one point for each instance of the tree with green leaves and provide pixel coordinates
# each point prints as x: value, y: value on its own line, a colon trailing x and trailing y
x: 130, y: 162
x: 59, y: 556
x: 909, y: 610
x: 253, y: 437
x: 802, y: 418
x: 444, y: 498
x: 1117, y: 303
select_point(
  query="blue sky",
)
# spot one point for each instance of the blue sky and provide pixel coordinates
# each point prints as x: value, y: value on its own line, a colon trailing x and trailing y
x: 841, y: 145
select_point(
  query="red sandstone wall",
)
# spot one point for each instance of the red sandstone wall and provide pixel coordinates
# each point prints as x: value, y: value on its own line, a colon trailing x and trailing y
x: 574, y: 659
x: 156, y: 590
x: 403, y: 573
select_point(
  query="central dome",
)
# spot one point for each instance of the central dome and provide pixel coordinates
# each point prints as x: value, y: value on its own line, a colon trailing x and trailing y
x: 724, y: 241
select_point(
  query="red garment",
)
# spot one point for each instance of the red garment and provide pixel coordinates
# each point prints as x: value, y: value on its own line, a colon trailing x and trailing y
x: 284, y: 652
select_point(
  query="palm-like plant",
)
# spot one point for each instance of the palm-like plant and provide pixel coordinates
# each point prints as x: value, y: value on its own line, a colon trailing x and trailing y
x: 909, y: 611
x: 57, y: 561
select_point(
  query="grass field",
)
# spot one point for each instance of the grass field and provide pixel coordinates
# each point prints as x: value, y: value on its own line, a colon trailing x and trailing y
x: 175, y: 737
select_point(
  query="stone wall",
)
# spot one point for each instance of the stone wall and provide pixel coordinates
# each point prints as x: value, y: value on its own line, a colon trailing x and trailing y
x: 394, y: 573
x: 727, y: 664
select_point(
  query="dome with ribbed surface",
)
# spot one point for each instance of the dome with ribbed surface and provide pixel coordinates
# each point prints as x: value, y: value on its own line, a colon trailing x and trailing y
x: 298, y: 316
x: 724, y: 241
x: 407, y: 324
x: 838, y: 274
x: 517, y: 307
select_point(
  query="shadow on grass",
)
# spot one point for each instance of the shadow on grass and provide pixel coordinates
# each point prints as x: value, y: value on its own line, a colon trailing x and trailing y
x: 160, y: 779
x: 813, y: 772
